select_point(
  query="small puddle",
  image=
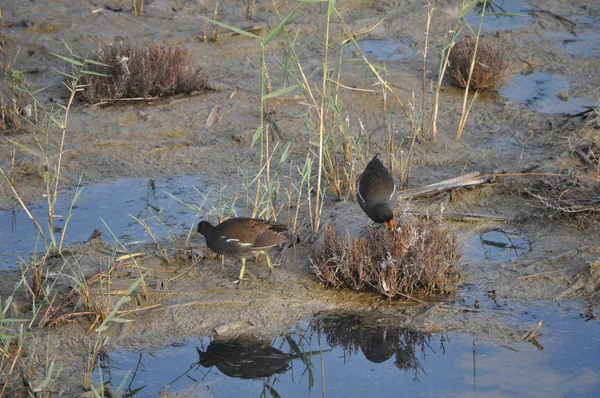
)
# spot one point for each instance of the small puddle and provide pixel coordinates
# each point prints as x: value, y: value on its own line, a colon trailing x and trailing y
x: 493, y: 22
x: 381, y: 50
x: 585, y: 44
x: 113, y: 202
x: 496, y: 245
x: 355, y: 357
x: 540, y: 91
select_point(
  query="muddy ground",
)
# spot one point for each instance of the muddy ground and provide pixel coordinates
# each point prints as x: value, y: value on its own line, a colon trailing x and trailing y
x: 168, y: 137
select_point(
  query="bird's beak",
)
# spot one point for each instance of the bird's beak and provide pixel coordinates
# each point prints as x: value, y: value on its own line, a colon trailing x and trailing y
x: 391, y: 224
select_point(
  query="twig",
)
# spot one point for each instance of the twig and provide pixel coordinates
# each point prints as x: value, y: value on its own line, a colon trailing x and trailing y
x: 532, y: 334
x: 584, y: 158
x: 467, y: 217
x: 365, y: 90
x: 556, y: 16
x: 525, y: 277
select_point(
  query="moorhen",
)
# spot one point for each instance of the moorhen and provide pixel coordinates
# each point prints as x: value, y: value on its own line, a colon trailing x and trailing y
x: 376, y: 192
x: 243, y: 237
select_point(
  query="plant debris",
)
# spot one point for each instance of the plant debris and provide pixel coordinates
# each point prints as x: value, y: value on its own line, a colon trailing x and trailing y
x: 419, y: 258
x: 141, y: 72
x: 563, y: 195
x: 491, y: 70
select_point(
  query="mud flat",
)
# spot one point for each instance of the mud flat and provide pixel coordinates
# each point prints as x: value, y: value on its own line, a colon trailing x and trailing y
x: 157, y: 160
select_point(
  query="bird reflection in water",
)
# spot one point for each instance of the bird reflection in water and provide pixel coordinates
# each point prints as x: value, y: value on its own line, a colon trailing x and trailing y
x: 245, y: 357
x: 378, y: 341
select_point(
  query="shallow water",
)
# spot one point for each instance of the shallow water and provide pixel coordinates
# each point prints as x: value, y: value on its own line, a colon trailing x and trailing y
x: 494, y: 18
x: 540, y: 91
x: 497, y: 245
x: 350, y: 356
x: 113, y: 202
x: 585, y: 44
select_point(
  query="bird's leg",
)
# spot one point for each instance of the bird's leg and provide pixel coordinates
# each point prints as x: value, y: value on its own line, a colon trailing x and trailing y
x: 242, y: 271
x: 222, y: 263
x: 268, y: 264
x: 240, y: 278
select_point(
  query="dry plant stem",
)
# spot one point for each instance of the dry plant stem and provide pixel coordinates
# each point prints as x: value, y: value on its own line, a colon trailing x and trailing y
x: 464, y: 114
x: 16, y: 355
x: 87, y: 374
x: 436, y: 98
x: 533, y: 333
x: 63, y: 127
x: 444, y: 61
x: 389, y: 148
x: 373, y: 70
x: 406, y: 166
x: 430, y: 9
x: 162, y: 253
x: 215, y: 17
x: 331, y: 8
x: 308, y: 161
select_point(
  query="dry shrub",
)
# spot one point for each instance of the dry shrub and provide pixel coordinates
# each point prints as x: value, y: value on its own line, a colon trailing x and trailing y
x: 141, y: 72
x: 491, y: 69
x: 418, y: 259
x: 563, y: 195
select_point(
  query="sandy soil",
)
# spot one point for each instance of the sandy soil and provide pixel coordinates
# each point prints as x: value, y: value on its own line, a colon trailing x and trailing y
x: 168, y: 137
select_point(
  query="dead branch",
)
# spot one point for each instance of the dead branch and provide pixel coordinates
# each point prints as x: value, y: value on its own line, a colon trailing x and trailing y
x: 464, y: 217
x: 466, y: 180
x: 533, y: 333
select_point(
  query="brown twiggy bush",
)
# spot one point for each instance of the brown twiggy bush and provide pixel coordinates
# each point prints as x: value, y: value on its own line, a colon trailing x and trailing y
x: 141, y: 72
x: 561, y: 196
x: 491, y: 70
x: 420, y: 258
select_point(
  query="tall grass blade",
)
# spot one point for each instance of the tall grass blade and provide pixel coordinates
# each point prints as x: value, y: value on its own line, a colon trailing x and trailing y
x: 232, y: 28
x: 26, y: 149
x: 282, y: 91
x: 68, y: 60
x: 467, y: 8
x: 281, y: 25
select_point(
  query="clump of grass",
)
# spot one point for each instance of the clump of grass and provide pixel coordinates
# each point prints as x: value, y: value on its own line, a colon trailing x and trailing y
x: 127, y: 71
x: 491, y: 70
x: 13, y: 108
x: 418, y: 259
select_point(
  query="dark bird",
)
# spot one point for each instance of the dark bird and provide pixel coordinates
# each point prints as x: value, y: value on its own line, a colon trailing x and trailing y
x: 376, y: 192
x: 242, y: 238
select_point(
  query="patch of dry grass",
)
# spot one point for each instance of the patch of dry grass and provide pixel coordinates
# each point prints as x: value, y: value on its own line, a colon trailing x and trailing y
x: 563, y: 195
x: 418, y: 259
x: 491, y: 69
x: 141, y: 72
